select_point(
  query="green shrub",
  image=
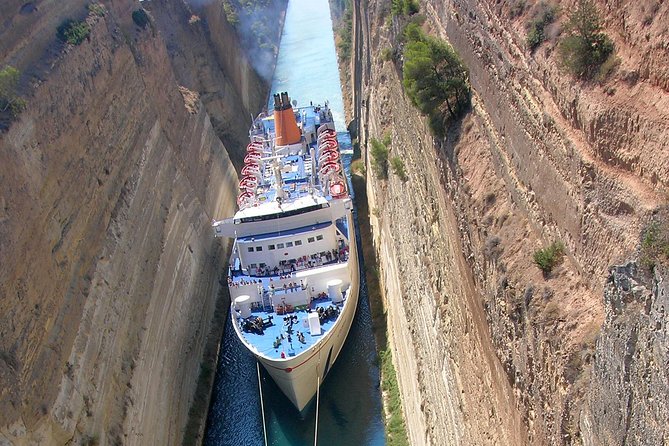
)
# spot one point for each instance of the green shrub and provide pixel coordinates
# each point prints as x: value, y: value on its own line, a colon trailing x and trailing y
x: 517, y: 9
x: 585, y: 48
x: 345, y: 33
x: 9, y: 98
x: 379, y: 159
x: 544, y: 16
x: 73, y: 31
x: 398, y: 167
x: 655, y: 244
x: 387, y: 139
x: 97, y: 9
x: 386, y: 54
x: 548, y: 257
x: 396, y: 434
x: 435, y: 78
x: 140, y: 17
x: 9, y: 81
x: 230, y: 13
x: 404, y: 7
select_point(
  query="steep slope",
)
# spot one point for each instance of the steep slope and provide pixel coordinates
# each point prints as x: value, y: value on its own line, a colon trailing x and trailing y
x: 503, y: 354
x: 109, y: 277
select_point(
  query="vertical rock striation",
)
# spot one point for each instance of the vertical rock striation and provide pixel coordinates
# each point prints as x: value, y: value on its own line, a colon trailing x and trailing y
x: 503, y: 354
x: 110, y: 179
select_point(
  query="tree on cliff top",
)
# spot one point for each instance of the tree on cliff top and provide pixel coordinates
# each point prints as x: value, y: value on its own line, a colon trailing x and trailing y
x: 435, y: 78
x: 586, y: 47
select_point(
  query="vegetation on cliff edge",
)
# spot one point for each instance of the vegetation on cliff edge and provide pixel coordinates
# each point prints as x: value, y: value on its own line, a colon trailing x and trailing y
x: 435, y: 78
x: 543, y: 16
x: 586, y: 48
x: 403, y: 7
x: 73, y: 31
x: 344, y: 33
x: 379, y: 160
x: 395, y: 429
x: 655, y: 243
x: 9, y: 98
x: 398, y: 168
x: 140, y: 17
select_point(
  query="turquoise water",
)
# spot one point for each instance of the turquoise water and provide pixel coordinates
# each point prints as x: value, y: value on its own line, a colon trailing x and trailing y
x: 307, y: 63
x: 350, y: 411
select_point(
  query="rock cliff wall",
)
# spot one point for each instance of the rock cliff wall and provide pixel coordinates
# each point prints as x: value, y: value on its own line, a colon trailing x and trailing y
x: 110, y: 179
x: 503, y: 354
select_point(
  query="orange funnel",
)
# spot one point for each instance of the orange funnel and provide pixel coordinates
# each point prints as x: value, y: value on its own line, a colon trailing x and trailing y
x: 287, y: 131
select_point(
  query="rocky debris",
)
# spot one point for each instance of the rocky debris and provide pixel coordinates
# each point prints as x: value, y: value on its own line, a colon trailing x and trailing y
x: 628, y: 399
x: 110, y: 272
x: 191, y: 99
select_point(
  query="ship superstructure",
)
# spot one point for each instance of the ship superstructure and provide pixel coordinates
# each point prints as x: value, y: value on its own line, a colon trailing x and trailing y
x: 293, y: 276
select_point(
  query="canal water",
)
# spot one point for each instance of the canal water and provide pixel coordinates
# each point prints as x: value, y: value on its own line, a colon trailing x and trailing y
x: 350, y: 412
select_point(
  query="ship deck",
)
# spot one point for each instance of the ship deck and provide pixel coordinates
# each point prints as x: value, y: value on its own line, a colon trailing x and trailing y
x: 281, y: 329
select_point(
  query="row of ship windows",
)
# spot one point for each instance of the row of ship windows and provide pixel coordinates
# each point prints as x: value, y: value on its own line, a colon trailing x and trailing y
x: 286, y: 245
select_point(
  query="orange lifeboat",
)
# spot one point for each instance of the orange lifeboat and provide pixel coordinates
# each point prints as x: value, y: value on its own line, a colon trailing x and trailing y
x: 338, y: 188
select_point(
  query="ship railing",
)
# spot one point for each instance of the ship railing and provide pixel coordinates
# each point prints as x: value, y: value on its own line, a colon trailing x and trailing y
x: 302, y: 263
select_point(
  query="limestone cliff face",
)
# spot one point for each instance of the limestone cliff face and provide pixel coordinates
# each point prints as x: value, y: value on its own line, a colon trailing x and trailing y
x: 204, y: 52
x: 504, y: 355
x: 110, y: 271
x: 627, y: 402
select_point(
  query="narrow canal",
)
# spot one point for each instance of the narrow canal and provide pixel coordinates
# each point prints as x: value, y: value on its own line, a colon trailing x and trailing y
x: 350, y: 407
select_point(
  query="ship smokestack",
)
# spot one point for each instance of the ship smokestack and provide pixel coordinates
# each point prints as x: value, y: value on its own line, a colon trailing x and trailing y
x: 287, y: 131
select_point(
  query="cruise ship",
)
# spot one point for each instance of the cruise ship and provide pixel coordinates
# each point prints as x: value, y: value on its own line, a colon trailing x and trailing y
x: 293, y: 275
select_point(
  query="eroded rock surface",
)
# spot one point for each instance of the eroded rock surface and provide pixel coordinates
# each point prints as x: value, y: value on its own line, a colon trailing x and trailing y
x: 109, y: 181
x: 504, y: 355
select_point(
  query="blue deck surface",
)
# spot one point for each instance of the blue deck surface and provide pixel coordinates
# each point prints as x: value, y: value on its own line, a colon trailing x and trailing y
x: 264, y: 343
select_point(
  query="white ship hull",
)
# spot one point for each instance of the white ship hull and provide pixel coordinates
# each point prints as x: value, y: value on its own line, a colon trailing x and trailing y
x: 294, y: 276
x: 308, y: 369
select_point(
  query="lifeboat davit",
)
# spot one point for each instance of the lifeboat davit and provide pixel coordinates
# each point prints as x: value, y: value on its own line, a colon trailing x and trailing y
x: 249, y: 182
x: 329, y: 167
x: 325, y: 133
x: 332, y: 138
x: 327, y: 139
x: 244, y: 198
x: 327, y: 146
x: 329, y: 155
x: 338, y: 188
